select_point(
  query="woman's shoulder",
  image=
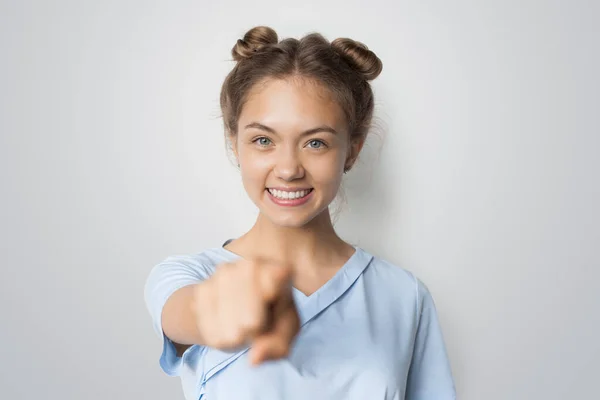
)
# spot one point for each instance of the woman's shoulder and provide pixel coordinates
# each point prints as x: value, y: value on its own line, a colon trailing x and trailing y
x: 205, y: 260
x: 211, y: 255
x: 396, y: 278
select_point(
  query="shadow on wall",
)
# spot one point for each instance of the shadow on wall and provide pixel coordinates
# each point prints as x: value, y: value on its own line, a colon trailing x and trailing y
x: 361, y: 211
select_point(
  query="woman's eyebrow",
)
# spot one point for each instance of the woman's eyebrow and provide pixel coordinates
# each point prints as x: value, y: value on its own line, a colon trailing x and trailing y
x: 262, y: 127
x: 322, y: 128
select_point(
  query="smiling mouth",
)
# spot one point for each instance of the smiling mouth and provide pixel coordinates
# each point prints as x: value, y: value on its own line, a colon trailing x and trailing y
x: 289, y: 195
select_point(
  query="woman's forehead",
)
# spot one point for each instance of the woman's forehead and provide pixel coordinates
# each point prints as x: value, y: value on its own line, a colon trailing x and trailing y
x: 292, y: 103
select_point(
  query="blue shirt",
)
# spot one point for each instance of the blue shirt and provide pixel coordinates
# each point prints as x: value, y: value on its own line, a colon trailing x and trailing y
x: 371, y: 332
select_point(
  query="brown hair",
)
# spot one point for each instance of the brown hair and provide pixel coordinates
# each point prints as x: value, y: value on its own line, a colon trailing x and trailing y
x: 343, y: 66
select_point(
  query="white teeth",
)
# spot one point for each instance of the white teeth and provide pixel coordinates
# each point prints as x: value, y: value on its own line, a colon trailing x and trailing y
x: 280, y: 194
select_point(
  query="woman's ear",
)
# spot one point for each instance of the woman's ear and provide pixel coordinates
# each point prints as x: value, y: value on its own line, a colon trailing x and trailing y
x: 355, y: 147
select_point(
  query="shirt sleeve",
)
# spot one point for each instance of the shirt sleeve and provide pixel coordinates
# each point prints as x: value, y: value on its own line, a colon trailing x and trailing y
x: 429, y: 376
x: 164, y: 279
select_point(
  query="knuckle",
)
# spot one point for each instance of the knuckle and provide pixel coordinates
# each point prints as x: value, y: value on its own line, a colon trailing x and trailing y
x: 254, y: 269
x: 284, y: 351
x: 281, y: 350
x: 233, y: 337
x: 220, y: 272
x: 250, y: 323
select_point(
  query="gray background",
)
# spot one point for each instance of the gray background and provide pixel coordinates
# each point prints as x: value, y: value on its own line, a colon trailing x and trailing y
x: 482, y: 178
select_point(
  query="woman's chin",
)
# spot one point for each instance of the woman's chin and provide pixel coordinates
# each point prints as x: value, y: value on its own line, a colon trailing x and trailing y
x: 293, y: 219
x: 289, y: 221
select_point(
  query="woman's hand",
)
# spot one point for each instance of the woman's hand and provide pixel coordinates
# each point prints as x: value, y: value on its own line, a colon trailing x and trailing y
x: 248, y: 303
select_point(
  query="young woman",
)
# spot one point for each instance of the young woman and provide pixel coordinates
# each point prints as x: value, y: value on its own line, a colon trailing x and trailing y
x: 290, y: 310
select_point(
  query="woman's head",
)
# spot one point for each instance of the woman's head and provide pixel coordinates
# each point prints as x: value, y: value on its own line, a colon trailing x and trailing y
x: 297, y: 113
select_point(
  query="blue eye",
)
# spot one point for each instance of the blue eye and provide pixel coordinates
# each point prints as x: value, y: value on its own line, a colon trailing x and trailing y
x: 316, y: 144
x: 263, y: 141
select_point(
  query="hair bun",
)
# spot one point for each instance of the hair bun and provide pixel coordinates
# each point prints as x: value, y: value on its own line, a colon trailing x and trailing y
x: 359, y: 57
x: 253, y: 40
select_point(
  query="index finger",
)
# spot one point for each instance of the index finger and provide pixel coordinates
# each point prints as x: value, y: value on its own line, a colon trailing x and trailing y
x: 274, y: 280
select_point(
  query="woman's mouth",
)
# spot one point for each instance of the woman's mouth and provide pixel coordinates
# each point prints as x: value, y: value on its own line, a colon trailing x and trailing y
x: 289, y: 197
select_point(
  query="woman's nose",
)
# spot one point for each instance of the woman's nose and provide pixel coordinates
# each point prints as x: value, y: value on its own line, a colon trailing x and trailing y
x: 288, y: 166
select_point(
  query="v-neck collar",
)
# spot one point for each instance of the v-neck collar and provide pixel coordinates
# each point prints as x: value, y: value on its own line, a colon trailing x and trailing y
x: 330, y: 291
x: 308, y: 307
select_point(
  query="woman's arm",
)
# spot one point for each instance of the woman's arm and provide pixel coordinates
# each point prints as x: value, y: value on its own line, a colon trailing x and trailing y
x: 179, y: 320
x: 168, y: 296
x: 224, y: 307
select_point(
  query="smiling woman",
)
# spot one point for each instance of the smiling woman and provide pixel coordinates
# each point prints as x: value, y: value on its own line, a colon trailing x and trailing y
x: 294, y: 139
x: 290, y: 310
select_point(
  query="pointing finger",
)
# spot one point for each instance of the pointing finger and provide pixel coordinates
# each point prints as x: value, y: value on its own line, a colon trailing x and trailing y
x: 276, y: 343
x: 273, y: 281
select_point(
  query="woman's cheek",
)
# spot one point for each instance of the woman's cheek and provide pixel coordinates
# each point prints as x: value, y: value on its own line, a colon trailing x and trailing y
x: 255, y: 171
x: 331, y: 167
x: 328, y: 176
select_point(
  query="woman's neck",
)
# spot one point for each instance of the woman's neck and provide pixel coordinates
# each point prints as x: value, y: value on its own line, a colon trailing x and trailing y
x: 315, y: 244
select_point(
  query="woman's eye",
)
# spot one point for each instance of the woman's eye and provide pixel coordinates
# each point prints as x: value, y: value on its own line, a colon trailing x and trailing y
x: 263, y: 141
x: 316, y: 144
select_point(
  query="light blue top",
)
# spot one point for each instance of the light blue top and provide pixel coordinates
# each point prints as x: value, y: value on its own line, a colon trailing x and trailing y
x: 371, y: 332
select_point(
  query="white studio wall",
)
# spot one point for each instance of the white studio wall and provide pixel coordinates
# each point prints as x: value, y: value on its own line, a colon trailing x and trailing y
x: 481, y: 178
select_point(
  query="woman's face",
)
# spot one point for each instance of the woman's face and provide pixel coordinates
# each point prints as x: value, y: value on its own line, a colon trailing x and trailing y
x: 292, y: 145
